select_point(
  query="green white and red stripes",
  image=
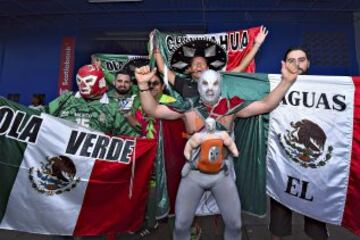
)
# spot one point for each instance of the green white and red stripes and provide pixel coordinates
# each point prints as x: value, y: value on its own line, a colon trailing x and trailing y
x: 71, y: 180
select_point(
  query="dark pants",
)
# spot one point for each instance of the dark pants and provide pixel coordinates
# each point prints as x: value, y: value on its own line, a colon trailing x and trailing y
x: 281, y: 221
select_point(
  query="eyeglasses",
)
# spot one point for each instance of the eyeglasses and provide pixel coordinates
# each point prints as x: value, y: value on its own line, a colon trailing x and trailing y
x: 199, y: 65
x: 153, y: 84
x: 296, y: 61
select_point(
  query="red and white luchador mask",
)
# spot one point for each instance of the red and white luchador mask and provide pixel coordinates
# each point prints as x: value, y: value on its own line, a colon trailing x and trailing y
x: 91, y: 82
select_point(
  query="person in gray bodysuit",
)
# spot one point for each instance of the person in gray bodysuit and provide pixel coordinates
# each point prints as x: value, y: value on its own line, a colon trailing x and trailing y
x: 207, y: 169
x: 210, y: 103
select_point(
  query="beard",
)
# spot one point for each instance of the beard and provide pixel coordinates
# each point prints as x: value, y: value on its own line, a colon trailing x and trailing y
x: 123, y: 91
x: 303, y: 72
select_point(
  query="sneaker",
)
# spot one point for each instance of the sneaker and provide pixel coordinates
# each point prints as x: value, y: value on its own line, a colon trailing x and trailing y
x: 145, y: 231
x: 195, y: 232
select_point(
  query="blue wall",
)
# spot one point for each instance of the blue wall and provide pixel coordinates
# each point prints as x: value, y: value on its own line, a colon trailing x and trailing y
x: 29, y: 60
x: 331, y: 44
x: 30, y: 65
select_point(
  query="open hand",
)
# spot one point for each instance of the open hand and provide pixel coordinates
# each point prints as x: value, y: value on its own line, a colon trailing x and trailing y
x: 261, y: 36
x: 95, y: 61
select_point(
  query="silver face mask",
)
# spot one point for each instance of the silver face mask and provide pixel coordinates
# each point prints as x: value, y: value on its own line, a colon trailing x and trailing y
x: 209, y: 86
x: 210, y: 125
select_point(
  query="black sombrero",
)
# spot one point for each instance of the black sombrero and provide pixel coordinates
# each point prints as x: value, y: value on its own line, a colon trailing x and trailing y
x: 135, y: 62
x: 214, y: 54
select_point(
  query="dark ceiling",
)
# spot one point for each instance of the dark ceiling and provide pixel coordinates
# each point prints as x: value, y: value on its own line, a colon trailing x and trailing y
x: 166, y: 14
x: 124, y: 26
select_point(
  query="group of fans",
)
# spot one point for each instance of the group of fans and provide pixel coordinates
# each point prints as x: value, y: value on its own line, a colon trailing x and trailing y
x: 136, y: 103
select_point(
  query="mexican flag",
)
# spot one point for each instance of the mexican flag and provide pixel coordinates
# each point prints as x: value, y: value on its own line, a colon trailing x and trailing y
x: 60, y: 178
x: 251, y: 140
x: 236, y: 44
x: 174, y: 144
x: 312, y: 152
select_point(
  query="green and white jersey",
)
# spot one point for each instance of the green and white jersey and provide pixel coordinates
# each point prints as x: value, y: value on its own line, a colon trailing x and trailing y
x: 102, y: 115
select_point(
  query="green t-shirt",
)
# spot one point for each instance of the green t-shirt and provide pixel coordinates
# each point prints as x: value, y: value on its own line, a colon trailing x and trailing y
x: 102, y: 114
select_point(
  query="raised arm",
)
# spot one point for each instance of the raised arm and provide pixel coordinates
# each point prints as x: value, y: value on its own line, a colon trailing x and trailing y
x: 148, y: 103
x: 95, y: 61
x: 110, y: 78
x: 259, y: 39
x: 160, y: 63
x: 289, y: 73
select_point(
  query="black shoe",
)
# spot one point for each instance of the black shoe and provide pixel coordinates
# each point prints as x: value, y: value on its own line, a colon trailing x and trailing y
x: 145, y: 231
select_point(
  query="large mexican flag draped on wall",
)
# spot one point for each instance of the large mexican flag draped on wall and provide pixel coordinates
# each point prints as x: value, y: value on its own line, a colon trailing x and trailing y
x: 313, y: 149
x: 60, y: 178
